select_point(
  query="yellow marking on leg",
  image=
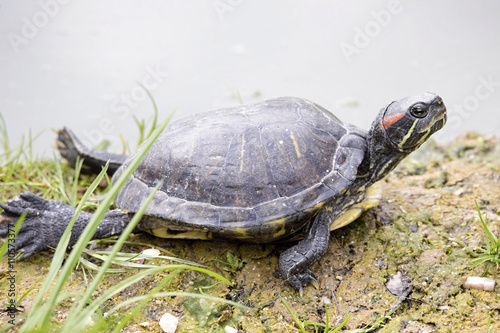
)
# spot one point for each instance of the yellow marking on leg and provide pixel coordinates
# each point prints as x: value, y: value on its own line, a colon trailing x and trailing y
x: 372, y: 199
x: 242, y: 157
x: 297, y: 151
x: 374, y: 194
x: 347, y: 217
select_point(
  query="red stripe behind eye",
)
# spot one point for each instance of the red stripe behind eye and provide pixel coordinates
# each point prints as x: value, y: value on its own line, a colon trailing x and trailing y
x: 389, y: 120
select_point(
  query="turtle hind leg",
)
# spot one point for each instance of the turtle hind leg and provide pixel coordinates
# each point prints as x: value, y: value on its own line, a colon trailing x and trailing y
x: 46, y: 221
x: 294, y: 263
x: 71, y: 148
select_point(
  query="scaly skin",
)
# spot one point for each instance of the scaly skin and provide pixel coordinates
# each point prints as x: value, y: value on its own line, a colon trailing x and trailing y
x: 46, y: 221
x: 294, y: 263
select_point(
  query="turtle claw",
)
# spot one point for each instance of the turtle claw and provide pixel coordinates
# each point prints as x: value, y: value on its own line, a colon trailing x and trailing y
x: 30, y: 250
x: 34, y: 199
x: 300, y: 280
x: 10, y: 210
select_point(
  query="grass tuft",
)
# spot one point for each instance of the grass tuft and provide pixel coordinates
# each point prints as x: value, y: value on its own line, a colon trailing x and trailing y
x: 141, y: 124
x: 491, y: 254
x: 326, y: 328
x: 317, y: 326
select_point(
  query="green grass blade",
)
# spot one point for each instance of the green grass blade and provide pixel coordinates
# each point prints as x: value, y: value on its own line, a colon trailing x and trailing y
x: 489, y: 327
x: 342, y: 324
x: 143, y: 302
x: 5, y: 137
x: 178, y: 294
x: 73, y: 191
x: 125, y: 258
x: 295, y: 318
x: 490, y: 255
x: 155, y: 109
x: 141, y: 125
x: 491, y: 239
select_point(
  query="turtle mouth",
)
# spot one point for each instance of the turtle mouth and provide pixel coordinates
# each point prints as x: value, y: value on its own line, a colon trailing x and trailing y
x: 438, y: 120
x: 443, y: 120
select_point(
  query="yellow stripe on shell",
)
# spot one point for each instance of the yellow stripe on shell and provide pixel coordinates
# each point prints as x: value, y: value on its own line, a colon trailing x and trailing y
x: 297, y: 151
x: 282, y: 230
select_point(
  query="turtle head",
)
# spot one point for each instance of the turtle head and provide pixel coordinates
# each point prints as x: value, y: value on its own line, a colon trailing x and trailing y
x: 410, y: 121
x: 401, y: 127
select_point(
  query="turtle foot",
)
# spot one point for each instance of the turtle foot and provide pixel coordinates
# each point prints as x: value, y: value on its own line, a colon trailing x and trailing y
x: 300, y: 280
x: 43, y: 225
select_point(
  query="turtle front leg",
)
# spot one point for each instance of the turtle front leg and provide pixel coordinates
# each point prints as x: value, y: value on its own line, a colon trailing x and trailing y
x: 294, y: 263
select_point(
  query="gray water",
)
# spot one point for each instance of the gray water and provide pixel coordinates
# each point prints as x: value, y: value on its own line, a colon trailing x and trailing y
x: 77, y: 63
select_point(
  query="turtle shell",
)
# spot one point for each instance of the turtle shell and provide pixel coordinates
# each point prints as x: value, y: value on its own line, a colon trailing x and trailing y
x: 257, y: 172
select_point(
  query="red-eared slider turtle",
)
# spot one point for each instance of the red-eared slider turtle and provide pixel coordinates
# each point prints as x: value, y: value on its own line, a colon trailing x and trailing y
x: 263, y: 172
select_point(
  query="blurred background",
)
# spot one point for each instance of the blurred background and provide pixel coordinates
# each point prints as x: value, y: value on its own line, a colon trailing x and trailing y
x: 79, y: 63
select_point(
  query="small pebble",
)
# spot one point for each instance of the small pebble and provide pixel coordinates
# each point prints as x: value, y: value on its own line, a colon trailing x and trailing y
x: 229, y: 329
x: 168, y: 323
x: 88, y: 322
x: 151, y: 252
x: 396, y: 284
x: 476, y: 282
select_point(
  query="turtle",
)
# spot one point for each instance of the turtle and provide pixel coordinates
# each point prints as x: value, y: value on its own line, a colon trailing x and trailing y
x: 284, y: 169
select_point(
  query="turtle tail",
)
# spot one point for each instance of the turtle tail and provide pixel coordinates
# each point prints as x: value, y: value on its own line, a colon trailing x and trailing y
x: 71, y: 148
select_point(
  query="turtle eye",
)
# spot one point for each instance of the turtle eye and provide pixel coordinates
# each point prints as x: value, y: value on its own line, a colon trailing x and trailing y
x: 418, y: 111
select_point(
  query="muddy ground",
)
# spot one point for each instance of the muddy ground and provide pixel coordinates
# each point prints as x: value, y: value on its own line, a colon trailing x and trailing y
x: 427, y: 210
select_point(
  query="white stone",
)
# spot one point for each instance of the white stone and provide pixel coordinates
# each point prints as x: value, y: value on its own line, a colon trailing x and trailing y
x: 229, y: 329
x: 168, y: 323
x: 476, y: 282
x: 151, y: 252
x: 88, y: 322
